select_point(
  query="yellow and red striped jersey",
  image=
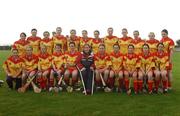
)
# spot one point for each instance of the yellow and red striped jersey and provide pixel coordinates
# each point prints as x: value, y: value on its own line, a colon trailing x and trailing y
x: 30, y: 62
x: 76, y: 40
x: 57, y: 60
x: 147, y: 61
x: 152, y: 45
x: 95, y: 44
x: 162, y: 60
x: 60, y: 39
x: 70, y: 58
x: 109, y: 41
x: 13, y: 66
x: 48, y: 43
x: 138, y: 43
x: 84, y: 41
x: 124, y: 42
x: 131, y: 62
x: 117, y: 61
x: 20, y: 45
x: 102, y: 61
x: 168, y: 44
x: 35, y: 43
x: 44, y: 61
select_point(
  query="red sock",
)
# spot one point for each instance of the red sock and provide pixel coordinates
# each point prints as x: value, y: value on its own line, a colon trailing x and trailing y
x: 127, y: 84
x: 157, y: 84
x: 135, y: 86
x: 121, y: 83
x: 111, y: 82
x: 150, y: 85
x: 98, y: 83
x: 44, y: 83
x: 140, y: 85
x: 164, y: 84
x: 51, y: 82
x: 169, y: 83
x: 66, y: 81
x: 74, y: 81
x: 40, y: 81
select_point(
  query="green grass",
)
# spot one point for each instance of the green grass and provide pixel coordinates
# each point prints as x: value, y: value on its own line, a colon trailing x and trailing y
x: 101, y: 104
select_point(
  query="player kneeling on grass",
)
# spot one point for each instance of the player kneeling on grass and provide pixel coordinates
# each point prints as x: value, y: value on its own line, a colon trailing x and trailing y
x: 130, y: 70
x: 44, y: 68
x: 70, y: 67
x: 57, y: 68
x: 30, y: 64
x: 116, y: 72
x: 102, y: 63
x: 85, y: 64
x: 146, y: 67
x: 13, y: 68
x: 162, y: 64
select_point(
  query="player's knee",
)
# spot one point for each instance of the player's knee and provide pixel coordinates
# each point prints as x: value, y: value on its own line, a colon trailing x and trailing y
x: 111, y: 74
x: 106, y: 72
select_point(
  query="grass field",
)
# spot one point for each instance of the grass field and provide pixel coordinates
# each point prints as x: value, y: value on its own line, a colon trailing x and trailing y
x: 101, y: 104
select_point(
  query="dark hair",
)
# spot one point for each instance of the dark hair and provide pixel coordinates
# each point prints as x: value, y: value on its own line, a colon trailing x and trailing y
x: 136, y: 31
x: 116, y: 45
x: 72, y: 43
x: 165, y: 31
x: 23, y: 34
x: 131, y: 45
x: 160, y: 43
x: 72, y: 30
x: 84, y: 31
x: 110, y: 28
x: 102, y: 45
x: 87, y: 45
x: 46, y: 32
x: 145, y: 45
x: 33, y: 29
x: 124, y: 29
x: 58, y: 45
x: 97, y: 31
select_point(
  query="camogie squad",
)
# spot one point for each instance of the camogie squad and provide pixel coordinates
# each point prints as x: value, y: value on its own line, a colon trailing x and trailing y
x: 74, y: 63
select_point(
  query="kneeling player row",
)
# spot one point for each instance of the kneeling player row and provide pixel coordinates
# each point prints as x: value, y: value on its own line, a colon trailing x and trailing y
x: 101, y: 69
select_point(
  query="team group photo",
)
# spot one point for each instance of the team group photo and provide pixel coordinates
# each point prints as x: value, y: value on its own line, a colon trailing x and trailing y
x: 89, y: 58
x: 77, y: 63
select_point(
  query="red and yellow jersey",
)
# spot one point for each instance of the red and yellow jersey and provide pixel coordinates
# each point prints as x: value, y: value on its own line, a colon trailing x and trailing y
x: 30, y: 62
x: 35, y: 43
x: 152, y: 45
x: 13, y: 66
x: 95, y: 44
x: 76, y: 40
x: 48, y: 43
x: 117, y: 61
x: 70, y: 58
x: 109, y: 41
x: 147, y: 61
x: 124, y: 42
x: 57, y: 60
x: 168, y: 44
x: 60, y: 39
x: 162, y: 60
x: 131, y: 62
x: 44, y: 61
x: 84, y: 41
x: 138, y: 43
x: 102, y: 61
x: 21, y: 45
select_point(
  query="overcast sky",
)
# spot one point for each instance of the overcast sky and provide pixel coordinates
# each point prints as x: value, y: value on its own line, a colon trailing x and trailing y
x: 18, y: 16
